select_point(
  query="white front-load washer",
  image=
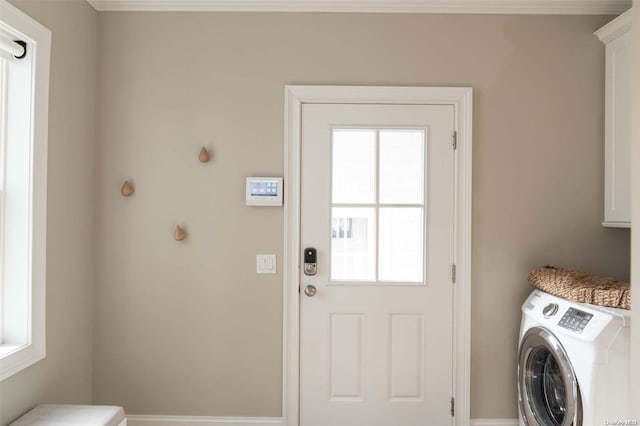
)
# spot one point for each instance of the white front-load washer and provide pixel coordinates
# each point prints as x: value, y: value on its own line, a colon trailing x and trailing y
x: 573, y: 365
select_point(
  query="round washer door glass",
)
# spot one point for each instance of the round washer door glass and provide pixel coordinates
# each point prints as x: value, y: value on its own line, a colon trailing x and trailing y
x: 548, y: 391
x: 545, y: 385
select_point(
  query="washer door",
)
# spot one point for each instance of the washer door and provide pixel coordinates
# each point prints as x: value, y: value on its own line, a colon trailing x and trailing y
x: 548, y: 391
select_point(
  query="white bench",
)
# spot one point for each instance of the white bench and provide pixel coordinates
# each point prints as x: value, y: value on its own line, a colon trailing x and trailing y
x: 73, y: 415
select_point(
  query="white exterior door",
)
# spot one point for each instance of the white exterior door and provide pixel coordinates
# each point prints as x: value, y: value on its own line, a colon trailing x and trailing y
x: 377, y: 203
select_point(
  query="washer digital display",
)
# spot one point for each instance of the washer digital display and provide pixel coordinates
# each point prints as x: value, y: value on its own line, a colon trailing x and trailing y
x: 575, y: 320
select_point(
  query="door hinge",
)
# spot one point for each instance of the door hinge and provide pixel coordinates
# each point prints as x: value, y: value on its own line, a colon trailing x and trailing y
x: 453, y: 273
x: 453, y: 406
x: 455, y: 140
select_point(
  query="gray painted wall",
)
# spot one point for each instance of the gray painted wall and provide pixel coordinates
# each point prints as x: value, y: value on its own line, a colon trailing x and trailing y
x: 189, y: 329
x: 64, y: 376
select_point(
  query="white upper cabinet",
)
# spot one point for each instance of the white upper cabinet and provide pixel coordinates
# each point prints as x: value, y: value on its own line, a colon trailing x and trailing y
x: 616, y: 35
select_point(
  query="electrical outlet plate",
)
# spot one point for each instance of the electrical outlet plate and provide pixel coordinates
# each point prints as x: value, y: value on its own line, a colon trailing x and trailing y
x: 265, y: 263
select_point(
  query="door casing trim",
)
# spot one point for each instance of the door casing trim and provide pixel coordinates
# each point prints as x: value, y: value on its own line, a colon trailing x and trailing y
x: 461, y: 98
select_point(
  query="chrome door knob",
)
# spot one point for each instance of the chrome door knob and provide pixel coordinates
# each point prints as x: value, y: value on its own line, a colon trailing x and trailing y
x: 310, y: 290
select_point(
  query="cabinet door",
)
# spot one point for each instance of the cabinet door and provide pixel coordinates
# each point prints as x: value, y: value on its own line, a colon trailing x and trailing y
x: 617, y: 211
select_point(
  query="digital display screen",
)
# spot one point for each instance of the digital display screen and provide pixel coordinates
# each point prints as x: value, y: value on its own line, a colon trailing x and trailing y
x: 575, y: 320
x: 264, y: 188
x: 580, y: 315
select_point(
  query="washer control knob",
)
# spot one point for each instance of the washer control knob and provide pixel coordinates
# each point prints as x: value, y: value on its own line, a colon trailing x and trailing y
x: 550, y: 310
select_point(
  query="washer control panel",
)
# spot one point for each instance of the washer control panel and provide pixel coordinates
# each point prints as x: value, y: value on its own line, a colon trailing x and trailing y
x: 575, y: 320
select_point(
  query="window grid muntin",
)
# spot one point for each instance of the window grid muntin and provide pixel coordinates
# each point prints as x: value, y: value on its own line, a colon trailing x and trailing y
x: 377, y: 206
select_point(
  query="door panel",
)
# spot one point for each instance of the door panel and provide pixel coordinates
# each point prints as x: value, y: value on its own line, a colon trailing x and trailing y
x: 377, y: 202
x: 406, y: 344
x: 346, y: 359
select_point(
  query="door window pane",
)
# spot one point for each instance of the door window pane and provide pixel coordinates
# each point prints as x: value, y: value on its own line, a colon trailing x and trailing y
x: 401, y: 242
x: 378, y: 205
x: 402, y: 166
x: 354, y: 166
x: 353, y: 244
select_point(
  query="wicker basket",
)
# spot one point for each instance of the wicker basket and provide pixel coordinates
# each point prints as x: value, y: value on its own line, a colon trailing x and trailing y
x: 582, y: 287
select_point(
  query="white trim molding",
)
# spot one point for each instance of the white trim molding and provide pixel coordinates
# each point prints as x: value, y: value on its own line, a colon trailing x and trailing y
x: 531, y: 7
x: 615, y: 28
x: 24, y: 270
x: 149, y: 420
x: 461, y: 99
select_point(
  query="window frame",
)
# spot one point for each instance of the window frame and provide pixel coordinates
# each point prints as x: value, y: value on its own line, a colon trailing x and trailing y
x: 3, y: 120
x: 17, y: 353
x: 377, y: 206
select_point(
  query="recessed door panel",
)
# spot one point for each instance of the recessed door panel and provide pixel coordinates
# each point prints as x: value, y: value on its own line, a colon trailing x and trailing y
x: 406, y: 357
x: 345, y: 357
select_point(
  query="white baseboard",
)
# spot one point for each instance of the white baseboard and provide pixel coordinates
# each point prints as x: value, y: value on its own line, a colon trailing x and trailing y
x: 143, y: 420
x: 494, y: 422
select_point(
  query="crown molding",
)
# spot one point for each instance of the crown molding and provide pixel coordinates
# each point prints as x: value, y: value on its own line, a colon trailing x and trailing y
x: 615, y: 28
x: 527, y: 7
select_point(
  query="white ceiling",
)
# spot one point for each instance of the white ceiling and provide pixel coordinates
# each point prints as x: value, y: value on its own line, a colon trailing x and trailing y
x: 553, y: 7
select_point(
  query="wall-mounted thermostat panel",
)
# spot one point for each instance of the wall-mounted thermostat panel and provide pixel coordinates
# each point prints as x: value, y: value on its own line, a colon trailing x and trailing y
x: 264, y: 191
